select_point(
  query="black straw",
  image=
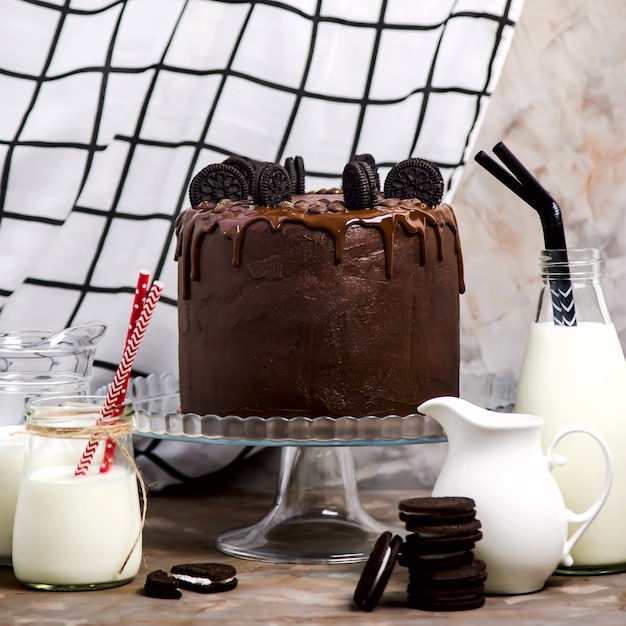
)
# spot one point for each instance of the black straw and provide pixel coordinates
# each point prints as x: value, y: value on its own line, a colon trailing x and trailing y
x: 521, y: 182
x: 503, y: 176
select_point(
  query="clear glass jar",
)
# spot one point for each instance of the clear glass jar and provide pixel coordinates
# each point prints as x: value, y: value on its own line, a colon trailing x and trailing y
x: 40, y: 363
x: 77, y: 532
x: 12, y: 445
x: 574, y: 372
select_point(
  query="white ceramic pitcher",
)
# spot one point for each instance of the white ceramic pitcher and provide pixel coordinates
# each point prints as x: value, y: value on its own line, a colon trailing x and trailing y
x: 496, y: 459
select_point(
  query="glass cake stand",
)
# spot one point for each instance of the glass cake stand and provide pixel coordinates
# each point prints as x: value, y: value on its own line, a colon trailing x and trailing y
x: 316, y: 516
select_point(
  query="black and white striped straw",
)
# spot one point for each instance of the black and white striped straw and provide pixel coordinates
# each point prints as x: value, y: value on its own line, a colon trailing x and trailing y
x: 521, y: 182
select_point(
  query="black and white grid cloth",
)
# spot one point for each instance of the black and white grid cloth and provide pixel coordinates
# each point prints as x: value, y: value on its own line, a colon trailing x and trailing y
x: 108, y: 108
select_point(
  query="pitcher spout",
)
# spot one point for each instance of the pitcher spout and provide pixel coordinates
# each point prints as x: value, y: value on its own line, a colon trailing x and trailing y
x: 455, y: 414
x: 82, y: 336
x: 35, y: 363
x: 85, y: 335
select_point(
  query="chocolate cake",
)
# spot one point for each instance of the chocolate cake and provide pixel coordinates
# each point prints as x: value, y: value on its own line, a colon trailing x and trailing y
x: 317, y: 304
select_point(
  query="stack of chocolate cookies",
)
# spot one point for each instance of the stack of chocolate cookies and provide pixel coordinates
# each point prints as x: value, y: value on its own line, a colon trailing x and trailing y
x: 438, y: 552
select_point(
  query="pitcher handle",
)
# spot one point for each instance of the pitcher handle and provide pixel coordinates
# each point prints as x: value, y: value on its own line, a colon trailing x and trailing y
x: 586, y: 517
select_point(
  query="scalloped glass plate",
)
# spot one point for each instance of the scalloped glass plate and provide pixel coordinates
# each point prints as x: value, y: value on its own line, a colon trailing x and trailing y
x: 156, y: 400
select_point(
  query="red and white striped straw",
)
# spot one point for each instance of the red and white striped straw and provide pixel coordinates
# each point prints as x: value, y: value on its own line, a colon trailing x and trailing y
x: 123, y: 371
x: 141, y: 291
x: 140, y: 295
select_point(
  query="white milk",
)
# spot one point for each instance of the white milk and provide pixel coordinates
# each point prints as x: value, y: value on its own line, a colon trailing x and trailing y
x: 76, y: 530
x: 577, y: 375
x: 12, y: 446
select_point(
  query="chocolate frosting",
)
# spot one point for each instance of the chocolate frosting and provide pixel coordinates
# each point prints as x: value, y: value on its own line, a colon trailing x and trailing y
x: 310, y: 309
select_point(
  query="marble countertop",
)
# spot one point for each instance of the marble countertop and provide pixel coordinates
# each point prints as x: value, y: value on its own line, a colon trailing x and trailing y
x: 181, y: 528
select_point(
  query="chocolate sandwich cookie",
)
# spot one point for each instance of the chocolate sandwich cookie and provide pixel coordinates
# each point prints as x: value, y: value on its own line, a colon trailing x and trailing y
x: 246, y: 166
x: 463, y: 591
x: 297, y: 174
x: 444, y: 530
x: 272, y: 185
x: 359, y: 186
x: 432, y: 510
x: 377, y: 571
x: 463, y: 602
x: 448, y: 590
x: 205, y: 577
x: 371, y: 161
x: 415, y: 178
x: 298, y: 162
x: 160, y: 585
x: 471, y: 575
x: 366, y: 157
x: 216, y: 182
x: 417, y: 546
x: 433, y: 562
x: 290, y: 167
x: 415, y: 521
x: 419, y: 597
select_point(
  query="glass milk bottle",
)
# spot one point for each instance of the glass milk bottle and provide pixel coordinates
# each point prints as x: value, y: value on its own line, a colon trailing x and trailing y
x: 75, y: 530
x: 574, y: 372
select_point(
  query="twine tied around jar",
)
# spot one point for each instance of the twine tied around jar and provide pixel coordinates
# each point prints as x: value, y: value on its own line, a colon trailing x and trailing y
x: 111, y: 431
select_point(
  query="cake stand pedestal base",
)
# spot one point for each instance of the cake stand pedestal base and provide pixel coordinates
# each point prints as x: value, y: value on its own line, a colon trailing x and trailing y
x: 316, y: 518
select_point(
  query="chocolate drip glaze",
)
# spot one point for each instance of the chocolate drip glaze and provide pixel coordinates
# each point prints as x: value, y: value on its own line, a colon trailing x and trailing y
x: 234, y: 218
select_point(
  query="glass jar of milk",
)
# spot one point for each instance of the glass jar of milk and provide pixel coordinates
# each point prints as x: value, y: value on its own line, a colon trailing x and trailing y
x: 574, y: 372
x: 12, y: 445
x: 73, y: 531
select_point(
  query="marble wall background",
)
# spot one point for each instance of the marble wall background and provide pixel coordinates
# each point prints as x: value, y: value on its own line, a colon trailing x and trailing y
x: 561, y: 107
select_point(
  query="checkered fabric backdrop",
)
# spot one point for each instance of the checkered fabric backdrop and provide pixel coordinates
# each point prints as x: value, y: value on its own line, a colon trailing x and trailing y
x: 108, y: 109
